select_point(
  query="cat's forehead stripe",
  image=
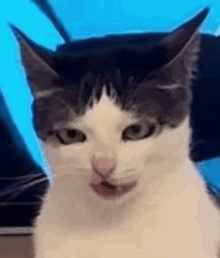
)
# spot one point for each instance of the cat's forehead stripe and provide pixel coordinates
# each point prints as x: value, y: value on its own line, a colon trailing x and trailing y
x: 93, y: 98
x: 106, y: 107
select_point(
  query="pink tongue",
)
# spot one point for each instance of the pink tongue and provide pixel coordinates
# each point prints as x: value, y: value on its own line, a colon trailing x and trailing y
x: 107, y: 190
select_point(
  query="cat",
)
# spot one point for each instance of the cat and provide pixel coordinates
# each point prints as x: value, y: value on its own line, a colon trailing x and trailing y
x: 113, y: 121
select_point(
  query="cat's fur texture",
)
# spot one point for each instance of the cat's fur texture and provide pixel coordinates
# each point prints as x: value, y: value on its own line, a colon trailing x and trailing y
x: 99, y: 93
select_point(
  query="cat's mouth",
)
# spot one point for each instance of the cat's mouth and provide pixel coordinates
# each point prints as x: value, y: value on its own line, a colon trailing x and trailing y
x: 109, y: 191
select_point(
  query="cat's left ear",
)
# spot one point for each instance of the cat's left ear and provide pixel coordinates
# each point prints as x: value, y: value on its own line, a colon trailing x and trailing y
x: 37, y: 62
x: 182, y: 48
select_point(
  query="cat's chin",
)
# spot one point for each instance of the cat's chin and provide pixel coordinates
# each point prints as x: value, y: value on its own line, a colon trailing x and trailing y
x: 109, y: 192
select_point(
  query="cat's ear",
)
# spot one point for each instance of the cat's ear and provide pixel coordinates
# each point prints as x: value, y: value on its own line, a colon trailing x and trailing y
x: 182, y: 48
x: 37, y: 62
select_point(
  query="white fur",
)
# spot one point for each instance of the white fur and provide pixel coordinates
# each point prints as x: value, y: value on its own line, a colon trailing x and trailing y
x: 167, y: 215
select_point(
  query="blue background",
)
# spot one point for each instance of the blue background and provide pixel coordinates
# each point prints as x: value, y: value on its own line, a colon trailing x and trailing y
x: 86, y: 18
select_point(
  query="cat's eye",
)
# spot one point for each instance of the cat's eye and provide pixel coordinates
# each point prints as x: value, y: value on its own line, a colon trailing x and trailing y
x: 133, y: 132
x: 69, y: 136
x: 138, y: 132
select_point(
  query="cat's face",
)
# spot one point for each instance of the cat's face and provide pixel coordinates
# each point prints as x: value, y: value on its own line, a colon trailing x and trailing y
x: 114, y: 119
x: 107, y: 144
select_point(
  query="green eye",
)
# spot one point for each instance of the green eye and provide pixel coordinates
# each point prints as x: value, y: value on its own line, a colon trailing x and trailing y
x: 138, y: 132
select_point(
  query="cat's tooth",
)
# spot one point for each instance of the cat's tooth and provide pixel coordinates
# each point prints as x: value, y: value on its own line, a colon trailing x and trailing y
x: 120, y: 188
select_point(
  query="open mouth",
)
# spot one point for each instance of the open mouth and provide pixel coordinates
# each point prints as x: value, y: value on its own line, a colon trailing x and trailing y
x: 109, y: 191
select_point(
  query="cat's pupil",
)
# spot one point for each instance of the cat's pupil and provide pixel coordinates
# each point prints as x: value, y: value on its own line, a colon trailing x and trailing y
x: 71, y: 133
x: 136, y: 128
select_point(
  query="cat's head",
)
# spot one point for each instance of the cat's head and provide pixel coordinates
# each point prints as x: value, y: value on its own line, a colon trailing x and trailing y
x: 113, y: 112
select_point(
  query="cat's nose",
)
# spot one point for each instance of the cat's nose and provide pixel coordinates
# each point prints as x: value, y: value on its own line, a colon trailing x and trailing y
x: 103, y: 166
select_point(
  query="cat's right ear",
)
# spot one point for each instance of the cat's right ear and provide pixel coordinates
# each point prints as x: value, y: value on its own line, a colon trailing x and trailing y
x: 37, y: 62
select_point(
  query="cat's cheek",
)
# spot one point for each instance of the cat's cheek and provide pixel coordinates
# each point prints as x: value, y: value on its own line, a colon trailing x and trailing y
x: 51, y: 154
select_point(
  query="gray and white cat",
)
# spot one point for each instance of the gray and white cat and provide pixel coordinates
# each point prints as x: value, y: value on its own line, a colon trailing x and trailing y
x: 113, y: 120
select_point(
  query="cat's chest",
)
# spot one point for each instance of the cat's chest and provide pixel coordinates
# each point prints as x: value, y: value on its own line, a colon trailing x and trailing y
x: 145, y: 243
x: 187, y: 226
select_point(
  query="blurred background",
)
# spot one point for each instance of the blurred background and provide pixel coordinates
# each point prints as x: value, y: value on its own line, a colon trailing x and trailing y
x: 86, y: 18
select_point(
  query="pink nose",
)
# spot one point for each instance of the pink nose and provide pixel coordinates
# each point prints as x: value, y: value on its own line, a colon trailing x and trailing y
x: 103, y: 166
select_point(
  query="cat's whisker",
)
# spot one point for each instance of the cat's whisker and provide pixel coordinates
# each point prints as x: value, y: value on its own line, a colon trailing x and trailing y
x: 19, y: 177
x: 169, y: 87
x: 12, y: 188
x: 16, y: 186
x: 23, y: 188
x: 46, y: 93
x: 67, y: 173
x: 194, y: 143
